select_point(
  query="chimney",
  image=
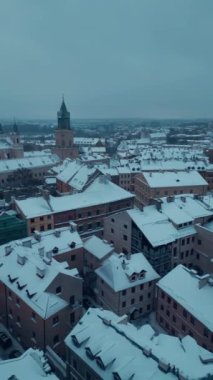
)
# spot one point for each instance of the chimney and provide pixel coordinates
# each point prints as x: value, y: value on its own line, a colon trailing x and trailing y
x: 41, y: 252
x: 123, y: 264
x: 37, y: 235
x: 48, y: 258
x: 128, y: 256
x: 57, y: 233
x: 183, y: 199
x: 21, y: 258
x: 40, y: 270
x: 203, y: 280
x: 73, y: 226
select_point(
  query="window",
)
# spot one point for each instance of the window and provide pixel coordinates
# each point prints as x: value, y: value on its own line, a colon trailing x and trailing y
x: 58, y: 290
x: 18, y: 320
x: 162, y: 294
x: 192, y: 320
x: 174, y: 318
x: 79, y: 216
x: 32, y: 220
x: 175, y: 252
x: 72, y: 318
x: 72, y: 300
x: 141, y: 287
x: 133, y: 289
x: 33, y: 316
x: 125, y: 226
x: 123, y: 292
x: 55, y: 320
x: 148, y: 307
x: 197, y: 256
x: 183, y: 242
x: 125, y: 237
x: 89, y: 213
x: 34, y: 334
x: 112, y: 230
x: 199, y: 242
x: 192, y: 252
x: 141, y: 298
x: 149, y: 295
x: 112, y: 220
x: 17, y: 301
x: 175, y: 305
x: 74, y: 363
x: 205, y: 332
x: 49, y: 226
x: 185, y: 313
x: 132, y: 301
x: 48, y: 216
x: 168, y: 299
x: 102, y: 293
x: 162, y: 307
x: 97, y: 212
x: 42, y: 228
x: 183, y: 327
x: 187, y: 241
x: 123, y: 304
x: 55, y: 340
x: 150, y: 284
x: 41, y: 218
x: 193, y: 239
x: 167, y: 313
x: 72, y: 257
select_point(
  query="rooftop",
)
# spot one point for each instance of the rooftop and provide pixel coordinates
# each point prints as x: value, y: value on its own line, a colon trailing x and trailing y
x: 28, y: 271
x: 31, y: 365
x: 98, y: 247
x: 121, y: 273
x: 174, y: 179
x: 115, y: 349
x: 101, y: 191
x: 193, y: 292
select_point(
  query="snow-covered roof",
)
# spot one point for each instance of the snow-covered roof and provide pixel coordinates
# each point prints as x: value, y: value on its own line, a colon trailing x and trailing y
x: 98, y: 247
x: 174, y: 179
x: 88, y: 140
x: 101, y: 191
x: 28, y: 163
x: 117, y: 270
x: 115, y: 346
x: 60, y: 238
x: 32, y: 365
x: 183, y: 285
x: 29, y: 273
x: 159, y: 226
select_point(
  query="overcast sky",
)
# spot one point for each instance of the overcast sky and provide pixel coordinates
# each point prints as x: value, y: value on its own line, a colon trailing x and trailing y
x: 110, y: 58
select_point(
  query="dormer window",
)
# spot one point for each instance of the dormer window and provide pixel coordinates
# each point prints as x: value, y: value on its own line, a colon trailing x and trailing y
x: 89, y: 353
x: 100, y: 363
x: 75, y: 341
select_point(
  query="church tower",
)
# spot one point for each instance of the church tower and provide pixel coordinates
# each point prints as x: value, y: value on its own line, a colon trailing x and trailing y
x: 64, y: 135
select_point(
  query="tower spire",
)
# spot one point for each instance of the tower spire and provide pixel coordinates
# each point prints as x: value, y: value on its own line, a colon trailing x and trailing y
x: 63, y: 116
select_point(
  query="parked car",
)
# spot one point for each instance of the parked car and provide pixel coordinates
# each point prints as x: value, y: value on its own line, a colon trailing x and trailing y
x: 5, y: 340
